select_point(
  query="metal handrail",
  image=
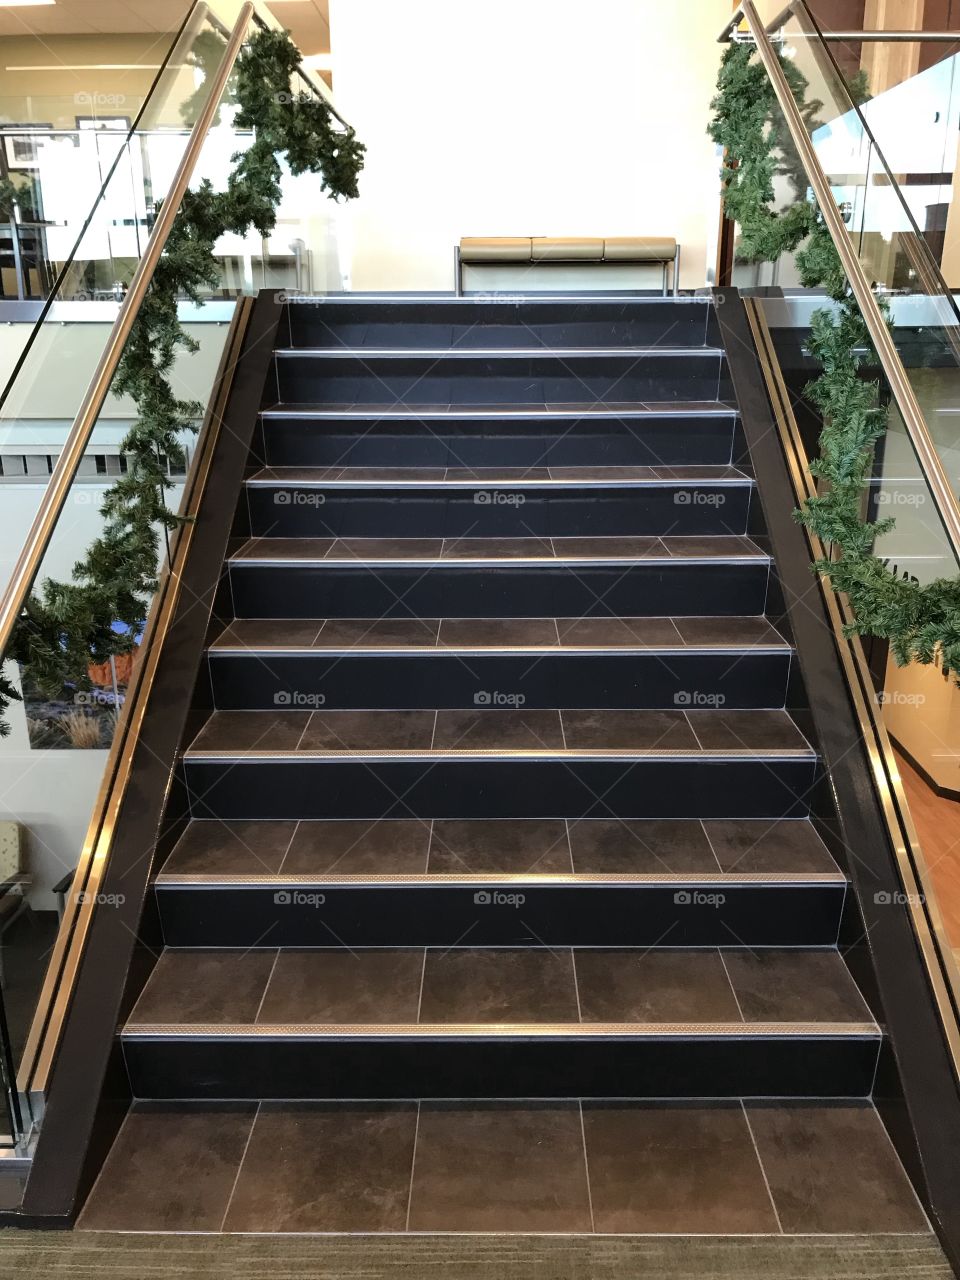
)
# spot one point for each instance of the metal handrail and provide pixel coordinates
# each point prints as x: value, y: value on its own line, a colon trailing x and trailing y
x: 943, y: 496
x: 55, y: 494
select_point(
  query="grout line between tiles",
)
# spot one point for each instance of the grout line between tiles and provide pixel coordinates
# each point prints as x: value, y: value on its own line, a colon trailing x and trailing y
x: 763, y: 1171
x: 266, y: 986
x: 413, y: 1160
x: 706, y: 834
x: 733, y: 989
x: 586, y: 1166
x: 246, y: 1147
x: 286, y: 851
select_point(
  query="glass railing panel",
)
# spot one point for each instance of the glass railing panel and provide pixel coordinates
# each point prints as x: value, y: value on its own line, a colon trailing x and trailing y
x: 59, y: 734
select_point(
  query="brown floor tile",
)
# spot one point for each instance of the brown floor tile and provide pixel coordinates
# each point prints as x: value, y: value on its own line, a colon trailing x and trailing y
x: 728, y: 631
x: 626, y: 730
x: 607, y: 548
x: 326, y: 1167
x: 504, y: 1167
x: 513, y: 985
x: 746, y: 731
x: 654, y: 986
x: 624, y: 633
x: 659, y: 846
x: 765, y: 846
x: 368, y: 731
x: 363, y: 846
x: 497, y: 633
x: 369, y: 633
x: 285, y: 548
x: 251, y: 731
x: 492, y: 730
x: 211, y: 847
x: 795, y: 986
x: 269, y: 633
x: 344, y: 986
x: 361, y: 549
x: 171, y: 1168
x: 507, y: 845
x: 718, y: 545
x: 205, y: 986
x: 674, y: 1169
x: 833, y: 1169
x: 496, y: 548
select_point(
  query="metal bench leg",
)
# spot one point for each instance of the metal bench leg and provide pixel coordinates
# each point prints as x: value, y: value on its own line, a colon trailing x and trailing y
x: 663, y: 283
x: 457, y: 272
x: 676, y: 273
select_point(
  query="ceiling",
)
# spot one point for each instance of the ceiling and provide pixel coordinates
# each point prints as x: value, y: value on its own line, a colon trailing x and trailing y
x: 307, y: 20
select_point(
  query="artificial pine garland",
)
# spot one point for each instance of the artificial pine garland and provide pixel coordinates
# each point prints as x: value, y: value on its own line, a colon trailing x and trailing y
x: 922, y: 623
x: 67, y: 626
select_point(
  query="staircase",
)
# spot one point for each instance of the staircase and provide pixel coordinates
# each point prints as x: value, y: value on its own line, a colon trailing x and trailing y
x: 501, y: 833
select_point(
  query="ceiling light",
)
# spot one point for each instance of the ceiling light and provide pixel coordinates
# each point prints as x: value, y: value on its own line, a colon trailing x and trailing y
x: 88, y: 66
x: 22, y: 4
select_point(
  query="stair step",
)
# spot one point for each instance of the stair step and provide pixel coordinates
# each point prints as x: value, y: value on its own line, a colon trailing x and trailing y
x: 595, y: 662
x: 493, y: 763
x: 508, y: 376
x: 498, y: 322
x: 418, y: 435
x: 409, y: 883
x: 357, y: 1023
x: 496, y: 577
x: 504, y: 502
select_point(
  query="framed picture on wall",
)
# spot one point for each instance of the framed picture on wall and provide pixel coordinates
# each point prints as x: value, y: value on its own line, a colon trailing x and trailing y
x: 20, y: 149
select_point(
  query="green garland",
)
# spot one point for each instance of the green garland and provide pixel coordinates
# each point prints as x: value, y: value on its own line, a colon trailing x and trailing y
x: 922, y: 623
x: 67, y: 626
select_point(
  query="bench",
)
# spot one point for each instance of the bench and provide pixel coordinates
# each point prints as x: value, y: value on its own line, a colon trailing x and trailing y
x: 624, y: 250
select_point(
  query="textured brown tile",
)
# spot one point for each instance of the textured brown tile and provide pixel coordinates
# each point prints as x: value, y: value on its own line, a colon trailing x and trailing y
x: 205, y: 986
x: 658, y: 846
x: 314, y: 1166
x: 508, y: 845
x: 497, y: 730
x: 368, y: 731
x: 728, y: 631
x: 627, y: 633
x: 654, y: 986
x: 285, y: 549
x: 368, y: 633
x: 832, y: 1169
x: 747, y: 731
x: 385, y: 549
x: 211, y: 847
x: 251, y: 731
x: 520, y: 985
x: 765, y: 846
x: 714, y: 545
x: 496, y: 548
x: 490, y: 475
x: 674, y: 1169
x: 269, y: 633
x: 607, y: 548
x: 497, y: 633
x: 364, y: 846
x: 795, y: 986
x: 341, y: 986
x: 626, y: 730
x: 504, y: 1167
x: 171, y: 1168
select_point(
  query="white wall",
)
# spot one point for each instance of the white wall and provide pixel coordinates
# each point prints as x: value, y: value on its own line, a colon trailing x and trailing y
x: 525, y: 117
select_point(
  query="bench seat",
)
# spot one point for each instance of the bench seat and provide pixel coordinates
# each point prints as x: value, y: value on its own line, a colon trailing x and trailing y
x: 487, y: 250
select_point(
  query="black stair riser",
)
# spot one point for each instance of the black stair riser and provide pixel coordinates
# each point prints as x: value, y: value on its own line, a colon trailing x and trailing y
x: 497, y: 323
x: 497, y: 510
x: 501, y: 1067
x: 493, y: 788
x: 319, y: 915
x: 528, y: 442
x: 262, y: 681
x: 448, y: 590
x: 500, y: 380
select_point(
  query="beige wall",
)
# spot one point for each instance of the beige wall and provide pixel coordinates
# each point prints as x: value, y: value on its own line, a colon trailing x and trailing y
x: 58, y: 97
x: 545, y: 117
x: 922, y: 711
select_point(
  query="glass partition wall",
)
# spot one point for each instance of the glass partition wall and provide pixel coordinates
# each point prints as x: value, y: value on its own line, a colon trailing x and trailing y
x: 56, y: 755
x: 892, y: 228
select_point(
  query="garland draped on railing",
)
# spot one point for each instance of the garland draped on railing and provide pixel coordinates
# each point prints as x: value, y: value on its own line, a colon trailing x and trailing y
x: 67, y: 626
x: 922, y: 623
